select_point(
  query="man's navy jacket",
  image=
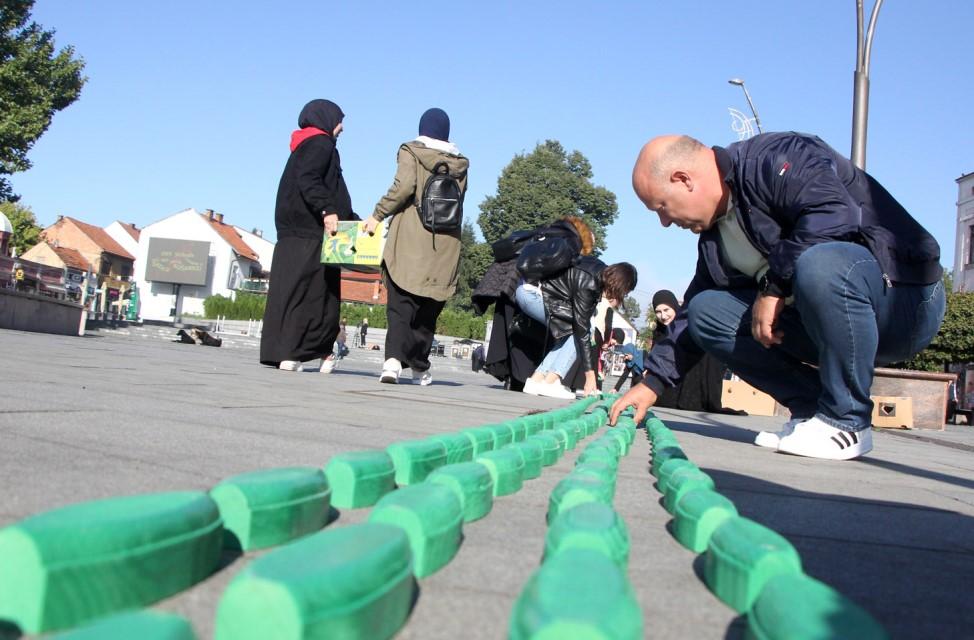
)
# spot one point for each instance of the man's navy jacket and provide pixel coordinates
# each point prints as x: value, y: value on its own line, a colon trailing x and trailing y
x: 793, y: 191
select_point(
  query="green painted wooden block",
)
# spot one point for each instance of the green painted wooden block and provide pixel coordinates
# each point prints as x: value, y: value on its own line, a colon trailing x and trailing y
x: 64, y: 567
x: 742, y: 557
x: 459, y: 448
x: 669, y: 468
x: 533, y: 423
x: 575, y: 490
x: 432, y: 517
x: 571, y: 434
x: 518, y: 429
x: 592, y: 525
x: 797, y: 606
x: 599, y: 451
x: 680, y: 482
x: 266, y: 508
x: 598, y: 469
x: 660, y: 456
x: 698, y: 514
x: 621, y: 436
x: 550, y: 446
x: 353, y: 582
x: 503, y: 434
x: 482, y: 438
x: 562, y: 439
x: 472, y: 484
x: 578, y: 594
x: 360, y: 478
x: 140, y: 625
x: 415, y: 459
x: 506, y: 467
x: 532, y: 453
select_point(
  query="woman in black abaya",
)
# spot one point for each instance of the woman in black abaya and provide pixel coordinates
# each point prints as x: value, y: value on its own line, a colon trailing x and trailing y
x: 301, y: 318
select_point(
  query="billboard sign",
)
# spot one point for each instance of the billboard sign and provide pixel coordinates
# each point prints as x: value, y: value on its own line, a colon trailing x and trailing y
x: 177, y: 261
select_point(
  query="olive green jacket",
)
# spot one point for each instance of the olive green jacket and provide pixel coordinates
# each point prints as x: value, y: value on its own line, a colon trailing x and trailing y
x: 409, y: 257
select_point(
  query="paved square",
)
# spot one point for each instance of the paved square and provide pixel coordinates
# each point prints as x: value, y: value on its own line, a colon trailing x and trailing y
x: 112, y: 414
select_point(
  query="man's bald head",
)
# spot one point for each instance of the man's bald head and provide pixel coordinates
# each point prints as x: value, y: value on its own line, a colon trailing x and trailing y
x: 662, y: 155
x: 677, y: 177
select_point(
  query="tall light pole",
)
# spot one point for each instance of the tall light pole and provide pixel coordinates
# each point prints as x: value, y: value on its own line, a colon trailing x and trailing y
x: 747, y: 95
x: 860, y: 95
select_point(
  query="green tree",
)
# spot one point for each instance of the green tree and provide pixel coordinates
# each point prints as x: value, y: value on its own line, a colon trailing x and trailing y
x: 26, y: 231
x: 542, y: 186
x: 475, y: 258
x: 630, y: 309
x: 954, y: 342
x: 35, y: 82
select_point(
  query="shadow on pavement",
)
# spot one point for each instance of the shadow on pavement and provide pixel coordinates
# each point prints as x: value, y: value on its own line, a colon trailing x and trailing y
x: 910, y: 566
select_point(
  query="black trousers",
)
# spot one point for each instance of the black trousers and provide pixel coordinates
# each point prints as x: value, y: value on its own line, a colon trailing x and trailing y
x: 412, y: 321
x: 301, y: 316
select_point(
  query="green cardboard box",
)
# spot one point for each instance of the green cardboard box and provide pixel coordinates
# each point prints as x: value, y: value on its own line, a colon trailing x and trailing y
x: 353, y: 249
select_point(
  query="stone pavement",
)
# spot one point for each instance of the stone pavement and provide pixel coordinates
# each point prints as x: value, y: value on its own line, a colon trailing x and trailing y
x: 111, y: 414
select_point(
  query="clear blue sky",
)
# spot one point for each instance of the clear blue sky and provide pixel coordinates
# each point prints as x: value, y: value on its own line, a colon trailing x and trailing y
x: 191, y: 104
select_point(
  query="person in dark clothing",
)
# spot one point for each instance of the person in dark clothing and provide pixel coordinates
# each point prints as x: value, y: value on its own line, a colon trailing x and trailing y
x: 830, y: 273
x: 566, y: 301
x: 517, y: 343
x: 701, y: 387
x: 363, y: 331
x: 301, y: 317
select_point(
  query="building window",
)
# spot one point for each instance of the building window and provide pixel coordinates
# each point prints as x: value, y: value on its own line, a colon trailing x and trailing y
x: 970, y: 244
x: 106, y: 266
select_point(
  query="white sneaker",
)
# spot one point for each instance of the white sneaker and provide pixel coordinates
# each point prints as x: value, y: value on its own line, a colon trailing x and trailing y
x: 532, y: 386
x: 290, y: 365
x: 770, y: 439
x: 554, y: 390
x: 329, y: 364
x: 424, y: 379
x: 816, y: 439
x: 391, y: 369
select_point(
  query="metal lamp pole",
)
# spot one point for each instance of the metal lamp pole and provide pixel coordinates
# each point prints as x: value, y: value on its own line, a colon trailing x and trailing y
x: 860, y: 96
x: 747, y: 95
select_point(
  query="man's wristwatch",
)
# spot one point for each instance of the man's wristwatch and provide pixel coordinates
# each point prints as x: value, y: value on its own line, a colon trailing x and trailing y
x: 767, y: 288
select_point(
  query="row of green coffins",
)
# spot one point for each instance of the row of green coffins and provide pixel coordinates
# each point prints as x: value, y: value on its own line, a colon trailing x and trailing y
x: 750, y: 567
x: 582, y: 588
x: 64, y: 567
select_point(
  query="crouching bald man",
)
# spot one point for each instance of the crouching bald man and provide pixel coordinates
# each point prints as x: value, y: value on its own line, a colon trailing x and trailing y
x: 803, y: 259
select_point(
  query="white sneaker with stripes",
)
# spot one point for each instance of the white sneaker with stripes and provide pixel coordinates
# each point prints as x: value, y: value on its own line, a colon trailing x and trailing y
x: 771, y: 439
x: 816, y: 439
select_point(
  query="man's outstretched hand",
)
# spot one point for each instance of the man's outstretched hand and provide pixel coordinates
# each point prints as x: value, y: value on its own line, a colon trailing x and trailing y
x: 640, y: 396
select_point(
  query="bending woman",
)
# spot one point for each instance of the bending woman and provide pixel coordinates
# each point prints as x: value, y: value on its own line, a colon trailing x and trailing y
x: 566, y: 301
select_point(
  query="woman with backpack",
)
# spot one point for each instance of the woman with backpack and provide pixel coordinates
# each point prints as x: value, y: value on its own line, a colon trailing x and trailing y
x: 422, y: 253
x: 301, y: 317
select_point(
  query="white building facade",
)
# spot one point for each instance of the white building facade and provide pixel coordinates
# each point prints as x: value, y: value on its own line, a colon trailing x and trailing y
x: 964, y: 249
x: 230, y: 260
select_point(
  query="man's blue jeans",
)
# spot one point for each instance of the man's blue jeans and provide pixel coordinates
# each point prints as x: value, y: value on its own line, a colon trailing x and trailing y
x: 562, y: 354
x: 845, y: 320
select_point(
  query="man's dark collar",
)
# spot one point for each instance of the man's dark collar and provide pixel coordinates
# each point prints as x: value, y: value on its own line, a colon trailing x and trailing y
x: 724, y: 164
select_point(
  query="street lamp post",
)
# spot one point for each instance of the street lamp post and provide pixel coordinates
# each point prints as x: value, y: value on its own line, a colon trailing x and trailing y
x: 860, y: 95
x: 739, y: 82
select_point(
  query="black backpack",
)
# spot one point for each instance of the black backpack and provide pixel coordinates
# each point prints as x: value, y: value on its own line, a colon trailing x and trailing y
x: 441, y: 205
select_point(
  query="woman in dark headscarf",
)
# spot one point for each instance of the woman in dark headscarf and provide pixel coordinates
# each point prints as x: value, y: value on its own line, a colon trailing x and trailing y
x: 702, y: 386
x: 301, y: 318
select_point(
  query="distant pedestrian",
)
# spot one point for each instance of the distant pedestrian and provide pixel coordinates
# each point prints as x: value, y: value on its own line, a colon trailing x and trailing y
x: 363, y: 330
x: 423, y: 246
x: 301, y: 318
x: 342, y: 338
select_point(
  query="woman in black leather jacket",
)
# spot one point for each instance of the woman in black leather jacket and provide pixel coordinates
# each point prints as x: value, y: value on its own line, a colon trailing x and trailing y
x: 566, y: 299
